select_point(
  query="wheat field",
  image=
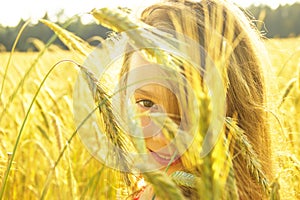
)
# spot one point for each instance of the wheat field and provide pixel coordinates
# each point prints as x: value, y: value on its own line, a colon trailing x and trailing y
x: 50, y: 162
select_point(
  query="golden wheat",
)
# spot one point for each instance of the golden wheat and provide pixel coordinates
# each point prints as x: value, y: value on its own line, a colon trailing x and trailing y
x: 79, y: 176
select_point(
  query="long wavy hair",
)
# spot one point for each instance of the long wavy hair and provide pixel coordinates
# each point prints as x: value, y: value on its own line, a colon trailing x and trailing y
x: 210, y: 23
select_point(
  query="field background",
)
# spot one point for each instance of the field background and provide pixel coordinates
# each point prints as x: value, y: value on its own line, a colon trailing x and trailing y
x: 50, y: 125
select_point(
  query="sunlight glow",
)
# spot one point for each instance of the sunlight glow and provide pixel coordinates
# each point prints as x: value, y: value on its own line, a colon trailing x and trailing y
x: 13, y: 10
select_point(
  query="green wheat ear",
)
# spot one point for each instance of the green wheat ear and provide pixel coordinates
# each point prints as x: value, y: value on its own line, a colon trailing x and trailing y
x: 182, y: 178
x: 163, y: 186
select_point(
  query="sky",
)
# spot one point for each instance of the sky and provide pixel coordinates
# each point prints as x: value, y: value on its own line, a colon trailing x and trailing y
x: 12, y: 11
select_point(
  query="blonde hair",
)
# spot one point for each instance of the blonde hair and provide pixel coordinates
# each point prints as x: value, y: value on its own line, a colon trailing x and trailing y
x: 203, y: 22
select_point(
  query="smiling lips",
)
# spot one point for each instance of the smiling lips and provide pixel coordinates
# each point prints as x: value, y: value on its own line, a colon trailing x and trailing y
x: 164, y: 159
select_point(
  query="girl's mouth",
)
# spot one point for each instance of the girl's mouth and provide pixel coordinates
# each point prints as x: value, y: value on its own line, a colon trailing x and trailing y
x: 165, y: 159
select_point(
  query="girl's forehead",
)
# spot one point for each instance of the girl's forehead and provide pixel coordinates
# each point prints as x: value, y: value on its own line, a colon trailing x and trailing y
x: 154, y: 78
x: 142, y: 71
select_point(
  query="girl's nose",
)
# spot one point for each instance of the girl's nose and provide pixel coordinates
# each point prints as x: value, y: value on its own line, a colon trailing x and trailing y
x: 160, y: 138
x: 151, y: 129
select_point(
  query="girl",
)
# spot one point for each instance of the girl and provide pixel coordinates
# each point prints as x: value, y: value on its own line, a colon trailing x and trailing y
x: 246, y: 95
x: 226, y: 38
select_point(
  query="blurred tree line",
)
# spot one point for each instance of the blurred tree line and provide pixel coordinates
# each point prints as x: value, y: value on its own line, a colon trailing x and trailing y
x: 284, y: 21
x: 43, y: 33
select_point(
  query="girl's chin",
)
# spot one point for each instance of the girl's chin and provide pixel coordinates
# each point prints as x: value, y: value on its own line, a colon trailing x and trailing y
x: 172, y: 169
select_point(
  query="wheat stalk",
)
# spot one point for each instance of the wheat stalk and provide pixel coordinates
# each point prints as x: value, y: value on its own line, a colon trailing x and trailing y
x: 110, y: 128
x: 171, y: 130
x: 142, y: 36
x: 208, y: 182
x: 231, y: 190
x: 274, y: 193
x: 111, y: 19
x: 44, y: 116
x: 37, y: 43
x: 11, y: 54
x: 42, y: 149
x: 288, y: 89
x: 71, y: 177
x: 57, y: 130
x: 51, y: 96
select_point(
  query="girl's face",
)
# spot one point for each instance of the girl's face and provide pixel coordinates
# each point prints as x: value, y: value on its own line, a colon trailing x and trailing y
x: 155, y: 98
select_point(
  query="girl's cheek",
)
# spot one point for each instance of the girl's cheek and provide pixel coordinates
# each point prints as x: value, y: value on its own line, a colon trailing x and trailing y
x: 145, y: 121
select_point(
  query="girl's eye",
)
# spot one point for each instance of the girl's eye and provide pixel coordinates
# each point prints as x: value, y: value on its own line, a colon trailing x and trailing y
x: 147, y: 104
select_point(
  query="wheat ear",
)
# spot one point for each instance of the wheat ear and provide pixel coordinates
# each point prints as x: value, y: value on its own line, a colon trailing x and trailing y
x: 287, y: 91
x: 163, y: 186
x: 110, y: 128
x: 72, y: 41
x: 247, y: 151
x: 142, y: 36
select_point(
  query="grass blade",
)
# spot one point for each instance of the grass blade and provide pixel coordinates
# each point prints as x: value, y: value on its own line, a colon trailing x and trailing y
x: 11, y: 53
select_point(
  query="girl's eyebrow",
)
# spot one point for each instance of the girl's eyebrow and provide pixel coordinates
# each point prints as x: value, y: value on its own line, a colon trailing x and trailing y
x: 147, y: 94
x: 144, y: 92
